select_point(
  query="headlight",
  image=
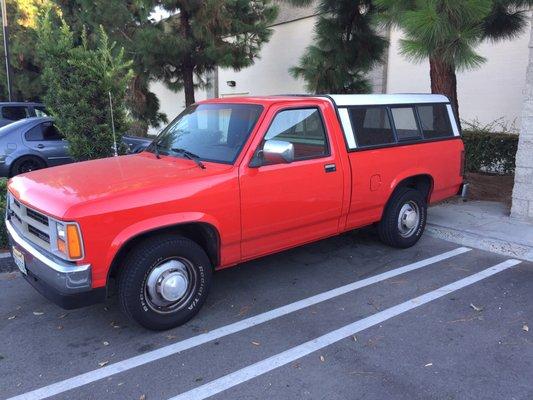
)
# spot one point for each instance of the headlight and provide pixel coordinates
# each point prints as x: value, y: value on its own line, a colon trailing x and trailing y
x: 69, y: 240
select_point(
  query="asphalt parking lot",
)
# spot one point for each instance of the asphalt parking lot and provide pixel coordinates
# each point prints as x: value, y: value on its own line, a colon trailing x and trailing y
x: 345, y: 318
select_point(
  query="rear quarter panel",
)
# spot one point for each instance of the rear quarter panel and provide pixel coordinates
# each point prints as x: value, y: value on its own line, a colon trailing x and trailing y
x: 377, y: 172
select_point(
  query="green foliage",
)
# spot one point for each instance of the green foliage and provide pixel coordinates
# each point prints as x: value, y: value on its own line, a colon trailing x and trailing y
x: 79, y: 80
x: 346, y: 46
x: 490, y: 151
x: 3, y: 200
x: 24, y: 61
x: 448, y: 32
x: 181, y: 50
x: 122, y: 20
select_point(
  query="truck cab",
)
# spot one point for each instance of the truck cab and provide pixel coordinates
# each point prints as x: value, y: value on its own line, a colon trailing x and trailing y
x: 230, y: 180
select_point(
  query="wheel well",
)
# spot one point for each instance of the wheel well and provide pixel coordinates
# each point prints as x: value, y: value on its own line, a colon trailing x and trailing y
x: 25, y: 156
x: 203, y: 234
x: 422, y: 183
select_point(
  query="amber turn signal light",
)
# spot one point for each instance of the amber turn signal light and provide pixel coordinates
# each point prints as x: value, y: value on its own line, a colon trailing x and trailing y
x: 73, y: 241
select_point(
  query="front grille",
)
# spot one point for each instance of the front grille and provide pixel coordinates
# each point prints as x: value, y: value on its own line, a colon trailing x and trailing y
x: 40, y: 234
x: 43, y: 219
x: 31, y: 224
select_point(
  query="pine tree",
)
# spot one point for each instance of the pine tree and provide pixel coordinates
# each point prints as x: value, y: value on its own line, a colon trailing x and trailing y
x: 448, y: 32
x: 79, y: 79
x: 346, y: 47
x: 122, y: 20
x: 202, y: 35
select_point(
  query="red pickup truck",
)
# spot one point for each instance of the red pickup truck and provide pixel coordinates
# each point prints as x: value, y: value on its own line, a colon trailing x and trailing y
x: 230, y: 180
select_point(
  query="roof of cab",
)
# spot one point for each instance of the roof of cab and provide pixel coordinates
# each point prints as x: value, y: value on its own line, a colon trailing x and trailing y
x: 341, y: 100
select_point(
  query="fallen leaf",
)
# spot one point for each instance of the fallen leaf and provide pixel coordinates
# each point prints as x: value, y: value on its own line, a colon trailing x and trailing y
x: 105, y: 343
x: 171, y: 337
x: 143, y: 397
x: 354, y: 338
x: 256, y: 343
x: 38, y: 313
x: 322, y: 358
x: 428, y: 365
x: 103, y: 363
x: 59, y: 327
x: 476, y: 308
x: 525, y: 328
x: 12, y: 317
x: 200, y: 379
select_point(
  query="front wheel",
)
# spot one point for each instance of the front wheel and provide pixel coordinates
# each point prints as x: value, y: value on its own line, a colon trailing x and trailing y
x: 404, y: 219
x: 164, y: 282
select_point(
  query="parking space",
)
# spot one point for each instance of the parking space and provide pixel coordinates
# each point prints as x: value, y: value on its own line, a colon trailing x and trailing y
x: 345, y: 318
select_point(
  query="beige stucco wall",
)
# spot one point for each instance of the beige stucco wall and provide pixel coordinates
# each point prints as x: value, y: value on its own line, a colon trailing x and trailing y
x: 270, y: 74
x: 491, y: 92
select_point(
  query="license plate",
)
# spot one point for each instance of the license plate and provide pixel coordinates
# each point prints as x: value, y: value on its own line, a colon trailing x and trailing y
x: 19, y: 261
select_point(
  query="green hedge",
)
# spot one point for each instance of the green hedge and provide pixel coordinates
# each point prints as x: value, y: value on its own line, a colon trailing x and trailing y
x: 490, y: 152
x: 3, y: 231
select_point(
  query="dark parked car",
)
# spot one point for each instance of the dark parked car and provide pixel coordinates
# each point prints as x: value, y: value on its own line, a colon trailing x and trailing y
x: 15, y: 111
x: 35, y: 143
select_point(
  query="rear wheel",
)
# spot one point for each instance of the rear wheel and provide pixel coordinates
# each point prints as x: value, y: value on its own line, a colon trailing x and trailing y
x: 404, y: 219
x: 164, y: 282
x: 26, y: 164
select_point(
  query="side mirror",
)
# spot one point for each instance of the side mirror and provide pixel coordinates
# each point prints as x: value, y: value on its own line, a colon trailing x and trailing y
x: 274, y: 152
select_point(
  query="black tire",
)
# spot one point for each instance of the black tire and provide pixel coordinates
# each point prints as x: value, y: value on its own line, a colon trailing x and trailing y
x: 145, y: 258
x: 27, y: 164
x: 394, y: 233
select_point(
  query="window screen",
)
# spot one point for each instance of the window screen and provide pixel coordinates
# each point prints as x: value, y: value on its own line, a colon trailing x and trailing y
x: 371, y: 126
x: 304, y: 129
x: 405, y: 123
x: 14, y: 113
x: 435, y: 121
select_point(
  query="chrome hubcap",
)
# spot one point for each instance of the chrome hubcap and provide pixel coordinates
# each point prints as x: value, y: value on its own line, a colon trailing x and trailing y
x: 167, y: 284
x: 409, y: 219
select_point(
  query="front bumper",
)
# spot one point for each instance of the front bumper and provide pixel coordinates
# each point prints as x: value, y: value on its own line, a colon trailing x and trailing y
x: 66, y: 284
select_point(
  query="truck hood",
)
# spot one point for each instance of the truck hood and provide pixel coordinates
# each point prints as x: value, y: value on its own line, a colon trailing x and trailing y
x: 55, y: 190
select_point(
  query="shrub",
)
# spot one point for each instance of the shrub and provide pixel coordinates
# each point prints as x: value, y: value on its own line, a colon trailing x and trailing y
x: 489, y: 151
x: 79, y: 80
x: 3, y: 230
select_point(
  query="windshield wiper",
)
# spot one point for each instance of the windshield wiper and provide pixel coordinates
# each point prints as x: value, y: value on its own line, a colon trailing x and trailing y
x: 156, y: 150
x: 190, y: 156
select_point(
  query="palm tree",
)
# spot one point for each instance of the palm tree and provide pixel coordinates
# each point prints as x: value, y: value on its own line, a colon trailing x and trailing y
x: 447, y: 32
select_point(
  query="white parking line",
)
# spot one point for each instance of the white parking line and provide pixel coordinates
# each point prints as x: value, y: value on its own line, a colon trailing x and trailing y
x: 288, y: 356
x: 154, y: 355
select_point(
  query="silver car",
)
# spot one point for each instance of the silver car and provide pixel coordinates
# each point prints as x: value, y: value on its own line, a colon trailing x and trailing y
x: 30, y: 144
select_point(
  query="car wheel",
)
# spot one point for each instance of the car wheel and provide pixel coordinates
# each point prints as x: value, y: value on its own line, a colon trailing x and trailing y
x: 164, y: 282
x: 26, y: 164
x: 404, y: 219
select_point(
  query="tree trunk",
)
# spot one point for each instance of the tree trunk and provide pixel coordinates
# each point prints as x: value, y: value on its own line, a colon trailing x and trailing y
x: 444, y: 81
x: 188, y: 86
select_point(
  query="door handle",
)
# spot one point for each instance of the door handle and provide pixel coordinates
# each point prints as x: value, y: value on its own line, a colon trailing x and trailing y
x: 330, y: 168
x: 40, y: 146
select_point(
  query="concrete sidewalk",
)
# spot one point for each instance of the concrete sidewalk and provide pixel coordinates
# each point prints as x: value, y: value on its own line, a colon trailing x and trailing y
x: 484, y: 225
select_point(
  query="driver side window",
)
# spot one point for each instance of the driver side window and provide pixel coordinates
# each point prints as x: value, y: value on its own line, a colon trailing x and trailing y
x: 304, y: 129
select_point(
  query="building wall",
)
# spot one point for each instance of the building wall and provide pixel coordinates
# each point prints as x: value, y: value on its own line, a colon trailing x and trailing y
x: 489, y: 93
x: 270, y: 74
x: 492, y: 92
x: 171, y: 103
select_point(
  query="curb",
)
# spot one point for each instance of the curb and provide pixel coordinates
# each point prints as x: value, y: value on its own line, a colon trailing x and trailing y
x: 493, y: 245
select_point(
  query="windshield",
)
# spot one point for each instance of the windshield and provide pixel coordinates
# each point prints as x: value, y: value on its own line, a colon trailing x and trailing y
x: 210, y: 132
